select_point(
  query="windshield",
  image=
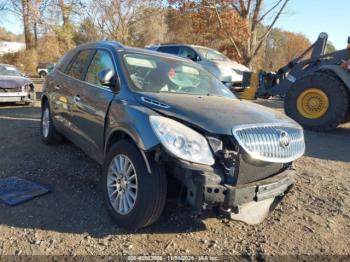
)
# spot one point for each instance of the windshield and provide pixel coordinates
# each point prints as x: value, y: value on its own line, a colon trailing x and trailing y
x: 9, y: 71
x: 156, y: 74
x: 210, y: 54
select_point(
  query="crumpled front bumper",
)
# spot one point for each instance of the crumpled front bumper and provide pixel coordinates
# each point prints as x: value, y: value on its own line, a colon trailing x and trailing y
x: 206, y: 187
x: 234, y: 196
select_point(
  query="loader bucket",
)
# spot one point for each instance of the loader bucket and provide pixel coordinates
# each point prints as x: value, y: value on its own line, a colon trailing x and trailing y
x: 251, y: 81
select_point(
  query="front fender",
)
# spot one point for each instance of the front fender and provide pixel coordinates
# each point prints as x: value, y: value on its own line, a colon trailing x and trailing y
x: 132, y: 120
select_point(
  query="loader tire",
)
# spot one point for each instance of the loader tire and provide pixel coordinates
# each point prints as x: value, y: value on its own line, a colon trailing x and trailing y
x: 319, y: 101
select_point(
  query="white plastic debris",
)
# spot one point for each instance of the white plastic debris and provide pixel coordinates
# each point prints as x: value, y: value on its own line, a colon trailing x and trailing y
x: 254, y: 212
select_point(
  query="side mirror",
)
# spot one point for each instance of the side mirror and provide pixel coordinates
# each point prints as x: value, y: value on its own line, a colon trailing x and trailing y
x: 105, y: 77
x: 349, y: 40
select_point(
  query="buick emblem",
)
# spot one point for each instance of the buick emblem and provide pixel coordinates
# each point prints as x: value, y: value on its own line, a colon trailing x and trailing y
x: 284, y: 139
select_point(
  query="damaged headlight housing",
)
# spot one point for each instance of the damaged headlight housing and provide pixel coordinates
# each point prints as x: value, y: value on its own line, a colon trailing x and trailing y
x: 27, y: 88
x: 182, y: 141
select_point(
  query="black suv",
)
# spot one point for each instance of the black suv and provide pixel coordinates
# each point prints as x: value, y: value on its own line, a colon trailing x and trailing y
x: 147, y: 116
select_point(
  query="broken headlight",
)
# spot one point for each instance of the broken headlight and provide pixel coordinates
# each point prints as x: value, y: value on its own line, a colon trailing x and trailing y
x: 182, y: 141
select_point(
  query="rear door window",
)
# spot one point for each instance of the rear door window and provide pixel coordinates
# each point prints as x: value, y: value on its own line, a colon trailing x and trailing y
x: 169, y: 49
x: 76, y: 69
x: 101, y: 61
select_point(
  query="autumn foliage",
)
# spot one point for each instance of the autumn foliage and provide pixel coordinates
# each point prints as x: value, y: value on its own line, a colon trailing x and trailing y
x: 234, y: 27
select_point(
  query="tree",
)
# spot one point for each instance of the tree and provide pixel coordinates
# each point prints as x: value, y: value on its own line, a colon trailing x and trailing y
x: 195, y: 23
x: 8, y: 36
x: 252, y: 15
x: 30, y: 12
x: 65, y: 32
x: 281, y: 47
x: 23, y: 9
x: 330, y: 48
x: 180, y: 25
x: 149, y: 27
x: 251, y: 12
x: 124, y: 20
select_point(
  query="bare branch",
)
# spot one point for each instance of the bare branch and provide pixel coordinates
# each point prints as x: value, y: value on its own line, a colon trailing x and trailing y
x: 243, y: 8
x: 269, y: 11
x: 268, y: 31
x: 237, y: 10
x: 256, y: 13
x: 228, y: 36
x: 249, y: 6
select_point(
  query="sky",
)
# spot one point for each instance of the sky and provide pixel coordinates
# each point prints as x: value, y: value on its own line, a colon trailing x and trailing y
x: 309, y: 17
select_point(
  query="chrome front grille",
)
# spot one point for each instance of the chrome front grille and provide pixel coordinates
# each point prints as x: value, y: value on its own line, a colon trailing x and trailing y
x: 272, y: 143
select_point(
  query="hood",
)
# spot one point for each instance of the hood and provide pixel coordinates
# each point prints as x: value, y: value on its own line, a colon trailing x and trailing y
x: 13, y: 81
x: 231, y: 64
x: 216, y: 115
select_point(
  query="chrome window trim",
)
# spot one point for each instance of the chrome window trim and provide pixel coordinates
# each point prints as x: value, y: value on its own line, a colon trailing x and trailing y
x: 86, y: 82
x: 154, y: 102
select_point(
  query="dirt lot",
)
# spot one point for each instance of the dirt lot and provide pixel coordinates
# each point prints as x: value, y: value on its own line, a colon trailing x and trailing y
x: 313, y: 219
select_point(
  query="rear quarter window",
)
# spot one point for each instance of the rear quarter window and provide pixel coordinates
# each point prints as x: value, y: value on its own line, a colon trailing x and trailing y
x: 63, y: 62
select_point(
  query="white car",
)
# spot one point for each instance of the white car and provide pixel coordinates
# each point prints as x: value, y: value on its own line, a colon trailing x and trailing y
x: 44, y: 69
x: 226, y: 70
x: 14, y: 86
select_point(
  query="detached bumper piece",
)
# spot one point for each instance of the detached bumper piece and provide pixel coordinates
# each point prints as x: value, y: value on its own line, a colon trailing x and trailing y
x: 234, y: 196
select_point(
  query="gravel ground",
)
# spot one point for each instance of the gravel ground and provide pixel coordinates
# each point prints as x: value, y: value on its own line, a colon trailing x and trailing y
x: 313, y: 219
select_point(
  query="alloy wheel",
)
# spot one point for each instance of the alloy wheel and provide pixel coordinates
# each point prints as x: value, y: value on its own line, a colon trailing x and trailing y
x: 122, y: 184
x: 46, y: 122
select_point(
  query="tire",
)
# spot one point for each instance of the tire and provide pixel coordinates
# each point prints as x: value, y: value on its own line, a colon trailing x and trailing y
x: 42, y: 74
x: 330, y: 116
x: 51, y: 136
x: 151, y: 189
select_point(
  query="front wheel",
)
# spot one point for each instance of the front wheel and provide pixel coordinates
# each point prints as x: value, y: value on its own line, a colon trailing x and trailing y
x: 49, y: 134
x: 133, y: 197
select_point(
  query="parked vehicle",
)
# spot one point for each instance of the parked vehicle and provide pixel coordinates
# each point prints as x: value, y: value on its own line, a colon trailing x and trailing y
x: 14, y: 86
x: 227, y: 71
x: 147, y: 117
x: 44, y: 69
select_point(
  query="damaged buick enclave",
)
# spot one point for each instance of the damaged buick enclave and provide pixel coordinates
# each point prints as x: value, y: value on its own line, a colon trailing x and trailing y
x: 150, y: 118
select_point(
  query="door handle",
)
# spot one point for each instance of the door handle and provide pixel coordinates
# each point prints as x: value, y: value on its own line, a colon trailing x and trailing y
x: 57, y: 87
x: 76, y: 98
